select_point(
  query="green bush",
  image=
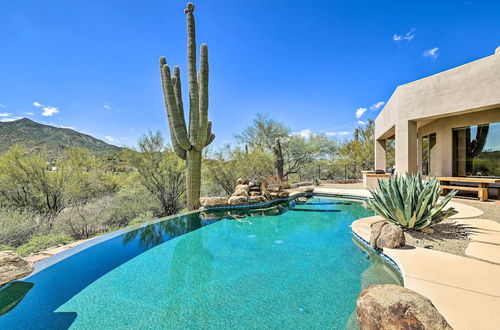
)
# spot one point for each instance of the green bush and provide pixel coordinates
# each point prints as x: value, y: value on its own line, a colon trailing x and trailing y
x: 410, y: 202
x: 130, y: 204
x: 85, y: 220
x: 17, y: 226
x: 40, y: 243
x: 142, y: 218
x: 6, y: 248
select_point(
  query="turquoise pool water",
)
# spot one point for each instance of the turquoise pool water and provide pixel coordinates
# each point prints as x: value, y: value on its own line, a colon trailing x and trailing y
x: 295, y: 266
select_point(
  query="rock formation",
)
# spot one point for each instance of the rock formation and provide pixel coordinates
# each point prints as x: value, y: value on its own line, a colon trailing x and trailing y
x: 213, y: 201
x: 13, y: 267
x: 391, y: 306
x: 247, y: 192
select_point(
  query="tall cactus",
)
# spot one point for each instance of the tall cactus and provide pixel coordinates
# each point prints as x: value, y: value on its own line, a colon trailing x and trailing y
x: 188, y: 144
x: 279, y: 162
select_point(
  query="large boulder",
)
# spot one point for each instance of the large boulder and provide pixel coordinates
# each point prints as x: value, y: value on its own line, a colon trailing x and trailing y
x: 279, y: 194
x: 237, y: 200
x: 385, y: 234
x: 213, y: 201
x: 256, y: 199
x: 283, y: 194
x: 13, y: 267
x: 265, y: 192
x: 306, y: 189
x: 391, y: 306
x: 274, y: 187
x: 241, y: 190
x: 240, y: 181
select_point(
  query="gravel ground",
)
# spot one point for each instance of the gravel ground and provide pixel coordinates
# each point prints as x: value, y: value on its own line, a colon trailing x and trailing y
x: 490, y: 208
x: 447, y: 236
x: 450, y: 237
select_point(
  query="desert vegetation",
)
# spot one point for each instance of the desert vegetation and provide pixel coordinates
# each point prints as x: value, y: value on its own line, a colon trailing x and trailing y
x: 48, y: 198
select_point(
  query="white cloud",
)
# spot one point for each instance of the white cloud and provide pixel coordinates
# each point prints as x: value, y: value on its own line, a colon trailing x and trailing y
x: 408, y: 36
x: 8, y: 119
x: 7, y: 116
x: 360, y: 112
x: 432, y: 53
x: 110, y: 138
x: 360, y: 122
x: 305, y: 133
x: 339, y: 133
x: 49, y: 111
x: 107, y: 107
x: 69, y: 127
x: 29, y: 113
x: 3, y: 105
x: 377, y: 105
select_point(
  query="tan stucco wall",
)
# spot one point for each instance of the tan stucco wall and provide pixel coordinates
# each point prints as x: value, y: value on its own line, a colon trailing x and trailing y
x: 465, y: 95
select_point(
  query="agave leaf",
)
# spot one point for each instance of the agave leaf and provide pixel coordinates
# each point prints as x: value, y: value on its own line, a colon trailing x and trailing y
x: 401, y: 218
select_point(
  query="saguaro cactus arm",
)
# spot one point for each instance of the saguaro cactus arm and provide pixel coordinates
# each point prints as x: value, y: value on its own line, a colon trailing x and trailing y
x: 176, y: 79
x: 178, y: 127
x: 203, y: 98
x: 210, y: 135
x: 179, y: 151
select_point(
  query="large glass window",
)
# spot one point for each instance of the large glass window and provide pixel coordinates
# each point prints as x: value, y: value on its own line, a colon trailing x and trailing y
x: 476, y: 150
x: 429, y: 154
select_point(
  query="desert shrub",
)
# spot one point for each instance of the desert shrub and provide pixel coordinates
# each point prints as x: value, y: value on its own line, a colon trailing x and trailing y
x: 6, y: 248
x: 87, y: 219
x: 159, y: 171
x: 28, y: 182
x: 227, y: 164
x: 141, y: 218
x: 17, y: 226
x: 130, y: 204
x: 410, y: 202
x: 40, y: 243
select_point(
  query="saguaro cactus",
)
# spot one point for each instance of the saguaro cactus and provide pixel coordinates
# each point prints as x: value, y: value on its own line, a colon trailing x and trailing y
x: 279, y: 162
x: 188, y: 144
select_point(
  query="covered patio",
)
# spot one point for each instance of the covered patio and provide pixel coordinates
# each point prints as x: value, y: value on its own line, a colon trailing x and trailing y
x: 446, y: 125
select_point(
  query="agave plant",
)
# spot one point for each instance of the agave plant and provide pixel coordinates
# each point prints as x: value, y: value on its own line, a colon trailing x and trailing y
x: 410, y: 202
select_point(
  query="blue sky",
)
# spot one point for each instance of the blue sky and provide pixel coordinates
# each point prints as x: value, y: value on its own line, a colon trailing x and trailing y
x: 93, y: 65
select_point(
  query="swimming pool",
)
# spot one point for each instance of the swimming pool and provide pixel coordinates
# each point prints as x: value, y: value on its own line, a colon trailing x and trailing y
x: 295, y: 265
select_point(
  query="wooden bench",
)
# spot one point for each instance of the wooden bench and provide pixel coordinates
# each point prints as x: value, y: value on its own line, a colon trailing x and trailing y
x: 482, y: 185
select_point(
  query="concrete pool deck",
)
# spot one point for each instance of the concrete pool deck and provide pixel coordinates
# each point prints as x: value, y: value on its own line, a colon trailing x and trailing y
x: 466, y: 290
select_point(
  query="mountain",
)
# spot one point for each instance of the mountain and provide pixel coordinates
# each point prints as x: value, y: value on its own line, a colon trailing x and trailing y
x: 36, y: 136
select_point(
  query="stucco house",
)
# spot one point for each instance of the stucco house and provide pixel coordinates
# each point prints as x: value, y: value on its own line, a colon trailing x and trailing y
x: 447, y: 124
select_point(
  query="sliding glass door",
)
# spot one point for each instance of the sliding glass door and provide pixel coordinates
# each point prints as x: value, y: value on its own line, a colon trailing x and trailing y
x: 476, y: 150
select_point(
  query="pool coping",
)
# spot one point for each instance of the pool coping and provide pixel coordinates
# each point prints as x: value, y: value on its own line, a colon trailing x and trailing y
x: 380, y: 253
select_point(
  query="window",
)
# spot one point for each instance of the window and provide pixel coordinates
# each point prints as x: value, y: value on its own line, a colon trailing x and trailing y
x: 476, y: 150
x: 428, y: 154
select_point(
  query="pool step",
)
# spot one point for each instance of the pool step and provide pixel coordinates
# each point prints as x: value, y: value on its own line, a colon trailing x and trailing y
x: 314, y: 210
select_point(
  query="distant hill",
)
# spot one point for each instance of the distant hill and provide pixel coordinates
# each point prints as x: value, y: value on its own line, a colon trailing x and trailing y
x: 35, y: 136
